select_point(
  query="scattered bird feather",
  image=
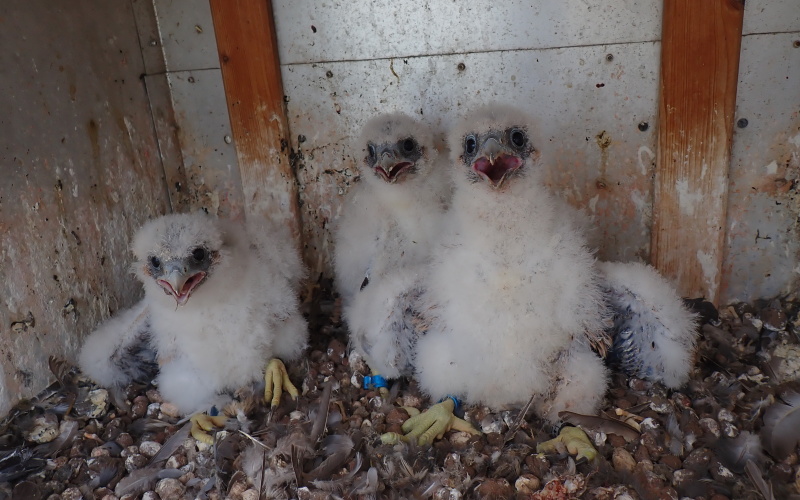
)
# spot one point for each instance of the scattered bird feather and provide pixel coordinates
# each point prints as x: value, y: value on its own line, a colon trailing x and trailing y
x: 340, y: 483
x: 735, y: 453
x: 781, y: 431
x: 18, y: 463
x: 172, y: 444
x: 676, y: 435
x: 69, y: 431
x: 601, y: 423
x: 513, y: 428
x: 754, y: 474
x: 722, y: 339
x: 141, y: 480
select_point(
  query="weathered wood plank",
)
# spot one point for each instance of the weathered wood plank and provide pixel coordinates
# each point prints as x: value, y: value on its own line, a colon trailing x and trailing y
x: 699, y: 70
x: 248, y: 56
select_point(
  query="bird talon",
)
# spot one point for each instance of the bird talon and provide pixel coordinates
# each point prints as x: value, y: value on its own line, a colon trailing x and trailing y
x: 432, y: 424
x: 276, y: 381
x: 573, y: 440
x: 202, y: 423
x: 393, y: 438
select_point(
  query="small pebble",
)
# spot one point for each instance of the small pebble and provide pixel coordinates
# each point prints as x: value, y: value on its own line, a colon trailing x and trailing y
x: 150, y: 495
x: 681, y: 477
x: 494, y: 439
x: 250, y: 494
x: 99, y: 403
x: 494, y: 488
x: 170, y: 489
x: 698, y: 460
x: 492, y: 424
x: 720, y: 472
x: 176, y: 461
x: 460, y: 440
x: 710, y: 426
x: 71, y: 494
x: 154, y: 396
x: 44, y: 429
x: 149, y: 448
x: 622, y: 460
x: 236, y: 489
x: 139, y: 407
x: 153, y: 409
x: 527, y: 484
x: 170, y: 410
x: 124, y: 440
x: 136, y: 461
x: 730, y: 430
x: 725, y: 416
x: 447, y: 494
x: 671, y: 461
x: 412, y: 401
x: 100, y: 451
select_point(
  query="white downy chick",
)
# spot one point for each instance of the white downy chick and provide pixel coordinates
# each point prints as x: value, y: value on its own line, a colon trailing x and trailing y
x: 513, y: 298
x: 388, y: 227
x: 220, y: 301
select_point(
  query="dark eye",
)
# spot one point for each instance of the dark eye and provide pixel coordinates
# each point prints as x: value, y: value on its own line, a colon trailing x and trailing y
x: 155, y: 262
x: 371, y: 151
x: 470, y: 145
x: 199, y: 254
x: 409, y: 145
x: 517, y: 137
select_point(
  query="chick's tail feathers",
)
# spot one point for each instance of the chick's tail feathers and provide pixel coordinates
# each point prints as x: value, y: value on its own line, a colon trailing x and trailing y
x: 653, y: 333
x: 120, y: 351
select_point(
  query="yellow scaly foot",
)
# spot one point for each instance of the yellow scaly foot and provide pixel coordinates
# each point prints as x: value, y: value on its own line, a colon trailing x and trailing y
x: 203, y: 423
x: 277, y: 380
x: 571, y: 439
x: 430, y: 425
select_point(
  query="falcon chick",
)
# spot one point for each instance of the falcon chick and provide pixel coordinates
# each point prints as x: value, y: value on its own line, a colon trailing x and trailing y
x: 515, y: 305
x: 384, y: 238
x: 219, y: 301
x: 513, y: 298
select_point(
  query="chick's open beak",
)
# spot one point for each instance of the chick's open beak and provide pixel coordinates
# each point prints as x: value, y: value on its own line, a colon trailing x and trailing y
x: 179, y: 282
x: 389, y: 168
x: 495, y: 162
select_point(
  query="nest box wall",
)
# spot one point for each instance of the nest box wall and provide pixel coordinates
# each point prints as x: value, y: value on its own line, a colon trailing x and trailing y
x: 81, y: 171
x: 725, y: 198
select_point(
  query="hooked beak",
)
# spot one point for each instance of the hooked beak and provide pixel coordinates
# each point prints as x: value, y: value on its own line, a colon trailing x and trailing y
x: 496, y: 163
x: 389, y: 168
x: 180, y: 284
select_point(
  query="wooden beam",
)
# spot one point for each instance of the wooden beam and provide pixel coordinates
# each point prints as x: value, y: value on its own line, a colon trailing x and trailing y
x: 699, y: 70
x: 248, y: 54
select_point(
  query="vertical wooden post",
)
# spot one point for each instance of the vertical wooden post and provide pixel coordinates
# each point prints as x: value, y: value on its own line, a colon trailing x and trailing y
x: 248, y: 53
x: 699, y: 70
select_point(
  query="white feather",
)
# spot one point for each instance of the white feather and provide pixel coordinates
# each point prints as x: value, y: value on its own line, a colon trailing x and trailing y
x: 244, y: 313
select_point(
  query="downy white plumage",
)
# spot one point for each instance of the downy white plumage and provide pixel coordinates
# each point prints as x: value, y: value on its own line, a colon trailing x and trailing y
x: 220, y: 301
x: 513, y: 299
x: 384, y: 237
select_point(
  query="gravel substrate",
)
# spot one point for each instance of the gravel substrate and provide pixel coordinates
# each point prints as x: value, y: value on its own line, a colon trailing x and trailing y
x: 731, y: 433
